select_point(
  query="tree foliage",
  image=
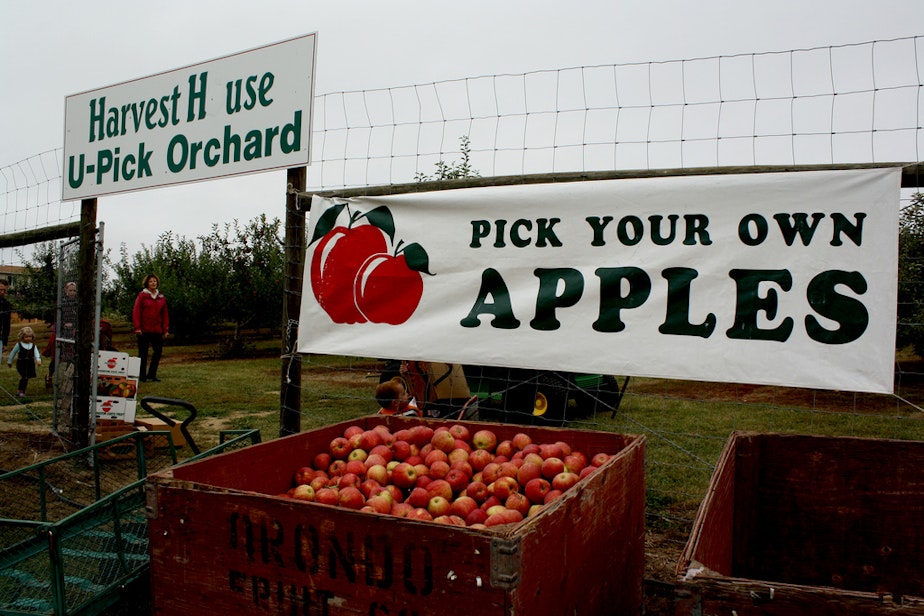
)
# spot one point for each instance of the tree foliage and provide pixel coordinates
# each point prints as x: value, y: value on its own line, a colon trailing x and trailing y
x: 231, y: 277
x: 35, y: 293
x: 911, y: 276
x: 454, y: 170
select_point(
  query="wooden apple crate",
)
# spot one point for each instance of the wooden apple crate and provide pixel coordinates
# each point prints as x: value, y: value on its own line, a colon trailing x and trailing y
x: 223, y: 541
x: 796, y: 524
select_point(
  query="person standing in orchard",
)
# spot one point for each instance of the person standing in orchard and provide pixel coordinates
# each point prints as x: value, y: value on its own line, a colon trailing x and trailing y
x: 152, y: 324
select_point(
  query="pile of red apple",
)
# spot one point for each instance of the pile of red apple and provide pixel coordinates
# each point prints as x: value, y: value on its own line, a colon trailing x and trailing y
x: 449, y: 475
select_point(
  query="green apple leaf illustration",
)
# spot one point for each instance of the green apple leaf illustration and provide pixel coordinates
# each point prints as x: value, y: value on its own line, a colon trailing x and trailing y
x: 417, y: 258
x: 327, y: 221
x: 381, y: 217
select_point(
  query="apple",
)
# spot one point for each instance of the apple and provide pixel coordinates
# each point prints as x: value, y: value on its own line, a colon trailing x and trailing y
x: 370, y: 439
x: 397, y: 495
x: 400, y: 510
x: 599, y: 459
x: 520, y: 440
x: 335, y: 265
x: 304, y: 475
x: 419, y: 513
x: 575, y: 461
x: 508, y: 469
x: 565, y: 447
x: 327, y: 496
x: 322, y: 461
x: 319, y: 481
x: 439, y: 469
x: 564, y: 480
x: 370, y: 488
x: 536, y: 490
x: 484, y: 439
x: 404, y: 434
x: 377, y: 473
x: 436, y: 455
x: 349, y: 480
x: 478, y: 490
x: 479, y: 458
x: 357, y: 454
x: 373, y: 458
x: 460, y: 431
x: 552, y: 495
x: 457, y: 455
x: 503, y: 487
x: 404, y: 475
x: 386, y: 289
x: 490, y: 472
x: 551, y: 450
x: 351, y: 497
x: 460, y: 444
x: 504, y: 448
x: 401, y: 450
x: 527, y: 472
x: 380, y: 503
x: 440, y: 487
x: 422, y: 435
x: 490, y: 501
x: 418, y: 497
x: 351, y: 431
x: 518, y: 502
x: 587, y: 470
x: 438, y: 505
x: 462, y: 506
x: 337, y: 468
x: 340, y: 448
x: 443, y: 440
x: 465, y: 467
x: 303, y: 492
x: 356, y: 467
x: 551, y: 467
x: 477, y: 516
x: 457, y: 480
x: 355, y: 440
x: 384, y: 451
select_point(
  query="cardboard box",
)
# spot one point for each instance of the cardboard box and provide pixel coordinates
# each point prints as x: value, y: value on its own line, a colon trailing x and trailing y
x: 222, y: 540
x: 116, y: 386
x: 113, y: 407
x: 155, y: 424
x: 112, y: 363
x: 817, y: 525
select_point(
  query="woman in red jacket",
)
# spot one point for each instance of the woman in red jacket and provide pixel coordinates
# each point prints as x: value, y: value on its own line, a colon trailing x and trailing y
x: 152, y: 324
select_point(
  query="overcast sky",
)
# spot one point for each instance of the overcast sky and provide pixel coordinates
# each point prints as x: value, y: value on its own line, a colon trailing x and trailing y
x: 55, y: 48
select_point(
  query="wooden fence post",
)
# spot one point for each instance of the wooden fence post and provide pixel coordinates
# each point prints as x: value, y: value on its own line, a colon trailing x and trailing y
x: 290, y: 395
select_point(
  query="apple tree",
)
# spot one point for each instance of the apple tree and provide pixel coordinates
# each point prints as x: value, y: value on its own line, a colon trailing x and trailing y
x: 911, y: 276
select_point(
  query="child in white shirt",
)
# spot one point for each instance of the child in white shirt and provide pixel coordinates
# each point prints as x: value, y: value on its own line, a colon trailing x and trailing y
x: 27, y: 356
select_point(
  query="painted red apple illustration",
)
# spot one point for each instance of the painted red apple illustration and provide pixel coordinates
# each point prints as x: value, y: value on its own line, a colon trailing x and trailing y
x: 386, y: 290
x: 355, y: 279
x: 340, y: 253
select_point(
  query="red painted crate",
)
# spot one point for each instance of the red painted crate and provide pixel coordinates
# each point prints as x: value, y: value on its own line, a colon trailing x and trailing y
x: 223, y: 542
x: 817, y: 525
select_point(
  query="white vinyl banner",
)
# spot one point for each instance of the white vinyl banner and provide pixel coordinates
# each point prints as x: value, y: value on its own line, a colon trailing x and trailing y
x: 774, y: 278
